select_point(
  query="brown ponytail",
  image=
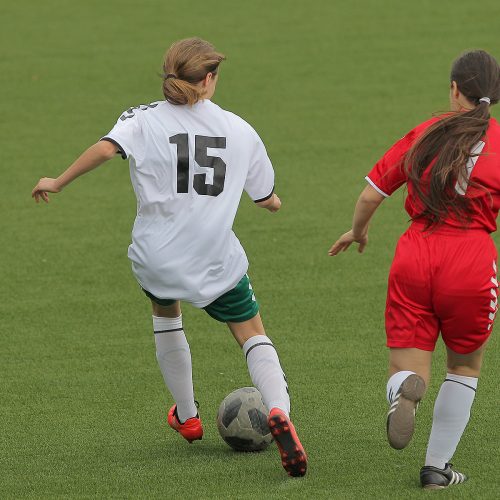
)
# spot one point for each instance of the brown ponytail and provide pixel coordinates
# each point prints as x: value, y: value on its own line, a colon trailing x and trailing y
x: 187, y: 62
x: 450, y: 141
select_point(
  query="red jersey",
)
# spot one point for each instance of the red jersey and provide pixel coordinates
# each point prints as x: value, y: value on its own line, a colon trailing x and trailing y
x: 389, y: 174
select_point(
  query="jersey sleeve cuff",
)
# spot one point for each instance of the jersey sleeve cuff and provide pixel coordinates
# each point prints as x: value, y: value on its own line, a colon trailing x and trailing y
x: 120, y: 148
x: 265, y: 197
x: 374, y: 186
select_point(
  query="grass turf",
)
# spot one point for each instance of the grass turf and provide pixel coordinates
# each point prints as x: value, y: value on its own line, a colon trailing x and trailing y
x: 329, y: 86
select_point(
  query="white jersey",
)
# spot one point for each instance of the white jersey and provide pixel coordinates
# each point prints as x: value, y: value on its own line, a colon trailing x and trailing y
x: 189, y: 166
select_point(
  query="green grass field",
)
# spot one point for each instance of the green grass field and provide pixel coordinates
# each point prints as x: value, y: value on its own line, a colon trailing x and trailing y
x: 329, y: 85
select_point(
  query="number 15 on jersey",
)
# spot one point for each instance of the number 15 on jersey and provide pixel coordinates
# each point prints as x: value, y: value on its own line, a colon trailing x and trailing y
x: 202, y: 143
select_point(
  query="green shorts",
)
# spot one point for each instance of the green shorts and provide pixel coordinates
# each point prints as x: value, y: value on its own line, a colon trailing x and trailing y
x: 235, y: 306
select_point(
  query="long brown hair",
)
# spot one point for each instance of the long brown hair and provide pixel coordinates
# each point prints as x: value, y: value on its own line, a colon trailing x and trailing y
x: 450, y: 141
x: 186, y: 63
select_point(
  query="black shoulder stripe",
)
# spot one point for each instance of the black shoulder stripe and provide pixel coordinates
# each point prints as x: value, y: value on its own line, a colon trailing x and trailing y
x: 120, y: 149
x: 265, y: 197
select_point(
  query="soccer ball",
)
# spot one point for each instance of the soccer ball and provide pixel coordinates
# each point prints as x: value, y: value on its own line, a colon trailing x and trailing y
x: 242, y: 420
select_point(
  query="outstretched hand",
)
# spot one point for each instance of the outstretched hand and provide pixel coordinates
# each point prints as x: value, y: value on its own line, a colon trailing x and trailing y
x: 345, y: 241
x: 45, y: 185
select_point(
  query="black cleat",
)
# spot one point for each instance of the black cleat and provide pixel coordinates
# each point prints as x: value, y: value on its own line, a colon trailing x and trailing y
x: 432, y: 478
x: 401, y: 415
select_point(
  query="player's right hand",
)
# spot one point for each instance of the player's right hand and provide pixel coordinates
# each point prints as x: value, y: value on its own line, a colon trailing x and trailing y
x: 345, y: 241
x: 45, y: 185
x: 276, y: 204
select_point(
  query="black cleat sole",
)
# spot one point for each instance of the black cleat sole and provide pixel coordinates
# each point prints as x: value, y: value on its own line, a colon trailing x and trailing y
x: 293, y: 457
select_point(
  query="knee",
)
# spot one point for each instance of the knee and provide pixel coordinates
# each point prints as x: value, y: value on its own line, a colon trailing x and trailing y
x: 422, y: 371
x: 468, y: 365
x: 466, y: 370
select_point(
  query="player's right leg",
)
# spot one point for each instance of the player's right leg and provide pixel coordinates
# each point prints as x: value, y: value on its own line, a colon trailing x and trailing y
x: 240, y: 310
x: 268, y: 377
x: 451, y: 416
x: 174, y: 359
x: 465, y: 298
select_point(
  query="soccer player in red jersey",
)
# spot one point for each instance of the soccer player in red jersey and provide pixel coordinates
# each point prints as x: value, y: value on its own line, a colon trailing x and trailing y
x: 443, y: 277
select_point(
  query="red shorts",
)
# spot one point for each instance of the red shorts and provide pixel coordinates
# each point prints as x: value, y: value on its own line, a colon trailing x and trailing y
x: 442, y: 282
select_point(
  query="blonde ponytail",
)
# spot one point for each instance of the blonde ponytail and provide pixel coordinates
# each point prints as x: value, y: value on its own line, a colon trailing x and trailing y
x: 187, y: 62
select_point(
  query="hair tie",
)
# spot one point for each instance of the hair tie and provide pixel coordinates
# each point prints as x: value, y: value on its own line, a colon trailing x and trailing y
x: 170, y: 75
x: 486, y: 100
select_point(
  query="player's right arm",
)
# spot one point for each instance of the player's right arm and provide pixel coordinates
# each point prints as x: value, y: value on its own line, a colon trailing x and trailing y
x: 260, y: 178
x: 386, y: 176
x: 368, y: 202
x: 93, y: 157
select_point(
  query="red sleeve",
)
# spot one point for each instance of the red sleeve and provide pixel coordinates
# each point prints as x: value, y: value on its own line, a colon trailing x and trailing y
x: 389, y: 174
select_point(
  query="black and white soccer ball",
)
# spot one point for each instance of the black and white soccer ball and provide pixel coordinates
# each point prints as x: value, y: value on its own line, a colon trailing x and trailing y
x: 242, y: 420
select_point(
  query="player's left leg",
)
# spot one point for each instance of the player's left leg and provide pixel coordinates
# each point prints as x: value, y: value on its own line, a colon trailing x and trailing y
x: 409, y: 374
x: 451, y: 415
x: 412, y: 329
x: 174, y: 359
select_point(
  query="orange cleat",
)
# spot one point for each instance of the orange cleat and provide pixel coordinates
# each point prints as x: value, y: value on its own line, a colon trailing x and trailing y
x: 293, y: 455
x: 191, y: 429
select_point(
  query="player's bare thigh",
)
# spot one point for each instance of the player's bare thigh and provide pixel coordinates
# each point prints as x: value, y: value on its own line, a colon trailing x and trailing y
x: 246, y: 329
x: 241, y: 331
x: 172, y: 311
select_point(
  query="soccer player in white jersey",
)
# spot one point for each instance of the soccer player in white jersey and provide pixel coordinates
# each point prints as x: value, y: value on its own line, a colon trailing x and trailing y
x: 190, y: 161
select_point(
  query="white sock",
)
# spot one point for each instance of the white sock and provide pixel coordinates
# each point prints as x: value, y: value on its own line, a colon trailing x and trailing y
x: 266, y: 373
x: 451, y: 414
x: 174, y: 359
x: 394, y: 383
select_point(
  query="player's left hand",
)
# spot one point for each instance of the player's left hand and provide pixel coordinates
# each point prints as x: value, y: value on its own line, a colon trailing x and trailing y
x: 345, y: 241
x: 45, y: 185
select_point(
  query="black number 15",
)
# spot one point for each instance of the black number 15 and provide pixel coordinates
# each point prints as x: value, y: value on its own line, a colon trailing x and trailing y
x: 201, y: 144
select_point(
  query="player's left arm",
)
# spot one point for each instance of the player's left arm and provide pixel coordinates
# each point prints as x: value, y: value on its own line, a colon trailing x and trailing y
x: 368, y: 202
x: 93, y: 157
